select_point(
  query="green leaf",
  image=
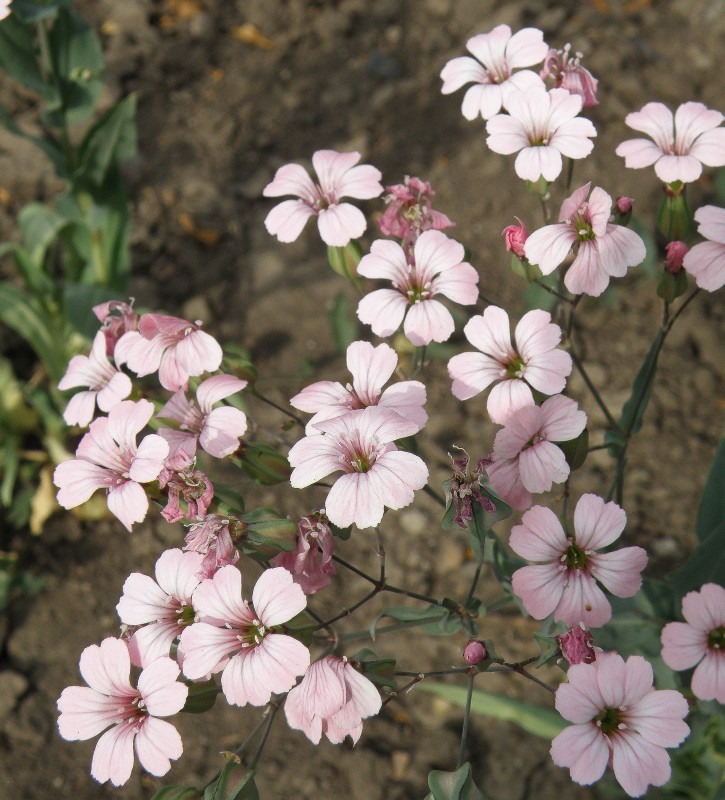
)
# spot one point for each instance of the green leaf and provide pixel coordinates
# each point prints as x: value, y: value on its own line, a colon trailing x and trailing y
x: 49, y: 146
x: 705, y: 565
x: 381, y: 671
x: 542, y: 722
x: 78, y: 63
x: 30, y: 11
x: 435, y: 620
x: 633, y: 411
x: 456, y: 785
x: 234, y: 783
x: 202, y: 696
x: 177, y: 793
x: 78, y: 302
x: 39, y: 226
x: 343, y: 324
x: 33, y: 274
x: 17, y: 57
x: 46, y: 335
x: 110, y: 141
x: 712, y: 505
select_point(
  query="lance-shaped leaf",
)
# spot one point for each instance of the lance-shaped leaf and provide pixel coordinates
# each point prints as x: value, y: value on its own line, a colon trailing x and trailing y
x: 235, y: 782
x: 456, y: 785
x: 712, y: 505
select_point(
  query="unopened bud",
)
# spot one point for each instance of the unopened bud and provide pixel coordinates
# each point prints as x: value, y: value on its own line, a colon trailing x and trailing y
x: 577, y: 646
x: 674, y: 255
x: 623, y: 210
x: 515, y: 236
x: 475, y: 652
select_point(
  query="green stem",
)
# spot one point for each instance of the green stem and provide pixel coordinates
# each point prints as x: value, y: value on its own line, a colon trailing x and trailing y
x: 474, y: 582
x: 466, y: 720
x: 359, y: 636
x: 386, y: 587
x: 595, y: 394
x: 272, y: 710
x: 256, y: 393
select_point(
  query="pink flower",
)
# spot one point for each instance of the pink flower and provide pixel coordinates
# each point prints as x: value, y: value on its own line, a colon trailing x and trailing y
x: 494, y: 80
x: 217, y: 430
x: 675, y: 252
x: 700, y: 641
x: 409, y: 211
x: 256, y: 661
x: 515, y: 238
x: 532, y: 361
x: 603, y: 250
x: 525, y: 458
x: 311, y: 561
x: 475, y: 652
x: 543, y: 126
x: 619, y: 719
x: 682, y: 144
x: 377, y: 475
x: 333, y: 698
x: 577, y: 645
x: 110, y: 700
x: 191, y: 485
x: 371, y: 368
x: 437, y: 267
x: 162, y: 608
x: 117, y: 318
x: 214, y: 537
x: 176, y: 348
x: 108, y: 458
x: 5, y: 8
x: 566, y: 584
x: 706, y: 261
x: 567, y: 72
x: 338, y: 177
x: 106, y: 385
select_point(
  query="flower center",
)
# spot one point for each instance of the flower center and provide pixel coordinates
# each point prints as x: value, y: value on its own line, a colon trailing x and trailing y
x: 252, y: 634
x: 583, y: 229
x: 716, y: 639
x: 609, y: 720
x: 575, y: 557
x: 515, y: 368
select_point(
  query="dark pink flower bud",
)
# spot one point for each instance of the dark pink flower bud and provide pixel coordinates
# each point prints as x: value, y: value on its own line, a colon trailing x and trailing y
x: 565, y: 71
x: 577, y: 646
x: 475, y: 652
x: 623, y: 210
x: 674, y: 254
x: 515, y: 236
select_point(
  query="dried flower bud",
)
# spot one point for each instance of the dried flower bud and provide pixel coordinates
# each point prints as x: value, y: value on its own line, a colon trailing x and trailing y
x: 577, y: 646
x: 566, y: 71
x: 475, y: 652
x: 515, y: 236
x: 674, y: 254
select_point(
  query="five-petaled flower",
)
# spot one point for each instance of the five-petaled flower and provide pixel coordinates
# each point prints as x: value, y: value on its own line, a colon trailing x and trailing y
x: 376, y: 474
x: 128, y: 715
x: 534, y: 361
x: 108, y: 458
x: 541, y: 127
x: 371, y: 368
x: 699, y: 641
x: 603, y: 250
x: 681, y: 143
x: 240, y: 639
x: 338, y: 177
x: 619, y: 719
x: 497, y: 54
x: 565, y: 584
x: 435, y: 267
x: 706, y: 261
x: 333, y: 698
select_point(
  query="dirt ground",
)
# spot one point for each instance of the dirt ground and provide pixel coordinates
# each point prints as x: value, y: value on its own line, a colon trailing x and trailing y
x: 217, y: 116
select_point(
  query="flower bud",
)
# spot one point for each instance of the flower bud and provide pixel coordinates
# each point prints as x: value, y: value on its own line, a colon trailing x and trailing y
x: 623, y: 210
x: 674, y: 254
x: 577, y: 646
x: 475, y: 652
x: 515, y: 236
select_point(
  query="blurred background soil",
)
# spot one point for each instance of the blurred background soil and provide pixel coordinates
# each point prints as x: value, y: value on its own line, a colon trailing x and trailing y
x: 229, y: 91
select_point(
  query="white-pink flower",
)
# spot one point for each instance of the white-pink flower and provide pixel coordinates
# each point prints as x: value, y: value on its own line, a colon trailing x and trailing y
x: 160, y: 608
x: 338, y: 177
x: 105, y: 384
x: 543, y: 126
x: 533, y: 360
x: 706, y: 261
x: 525, y: 458
x: 371, y: 368
x: 377, y: 474
x: 242, y: 641
x: 217, y: 430
x: 311, y: 561
x: 603, y: 250
x: 128, y: 715
x: 619, y: 719
x: 681, y: 143
x: 5, y: 8
x: 333, y: 698
x: 565, y: 585
x: 497, y: 54
x: 700, y: 641
x: 437, y: 268
x: 176, y: 348
x: 108, y: 458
